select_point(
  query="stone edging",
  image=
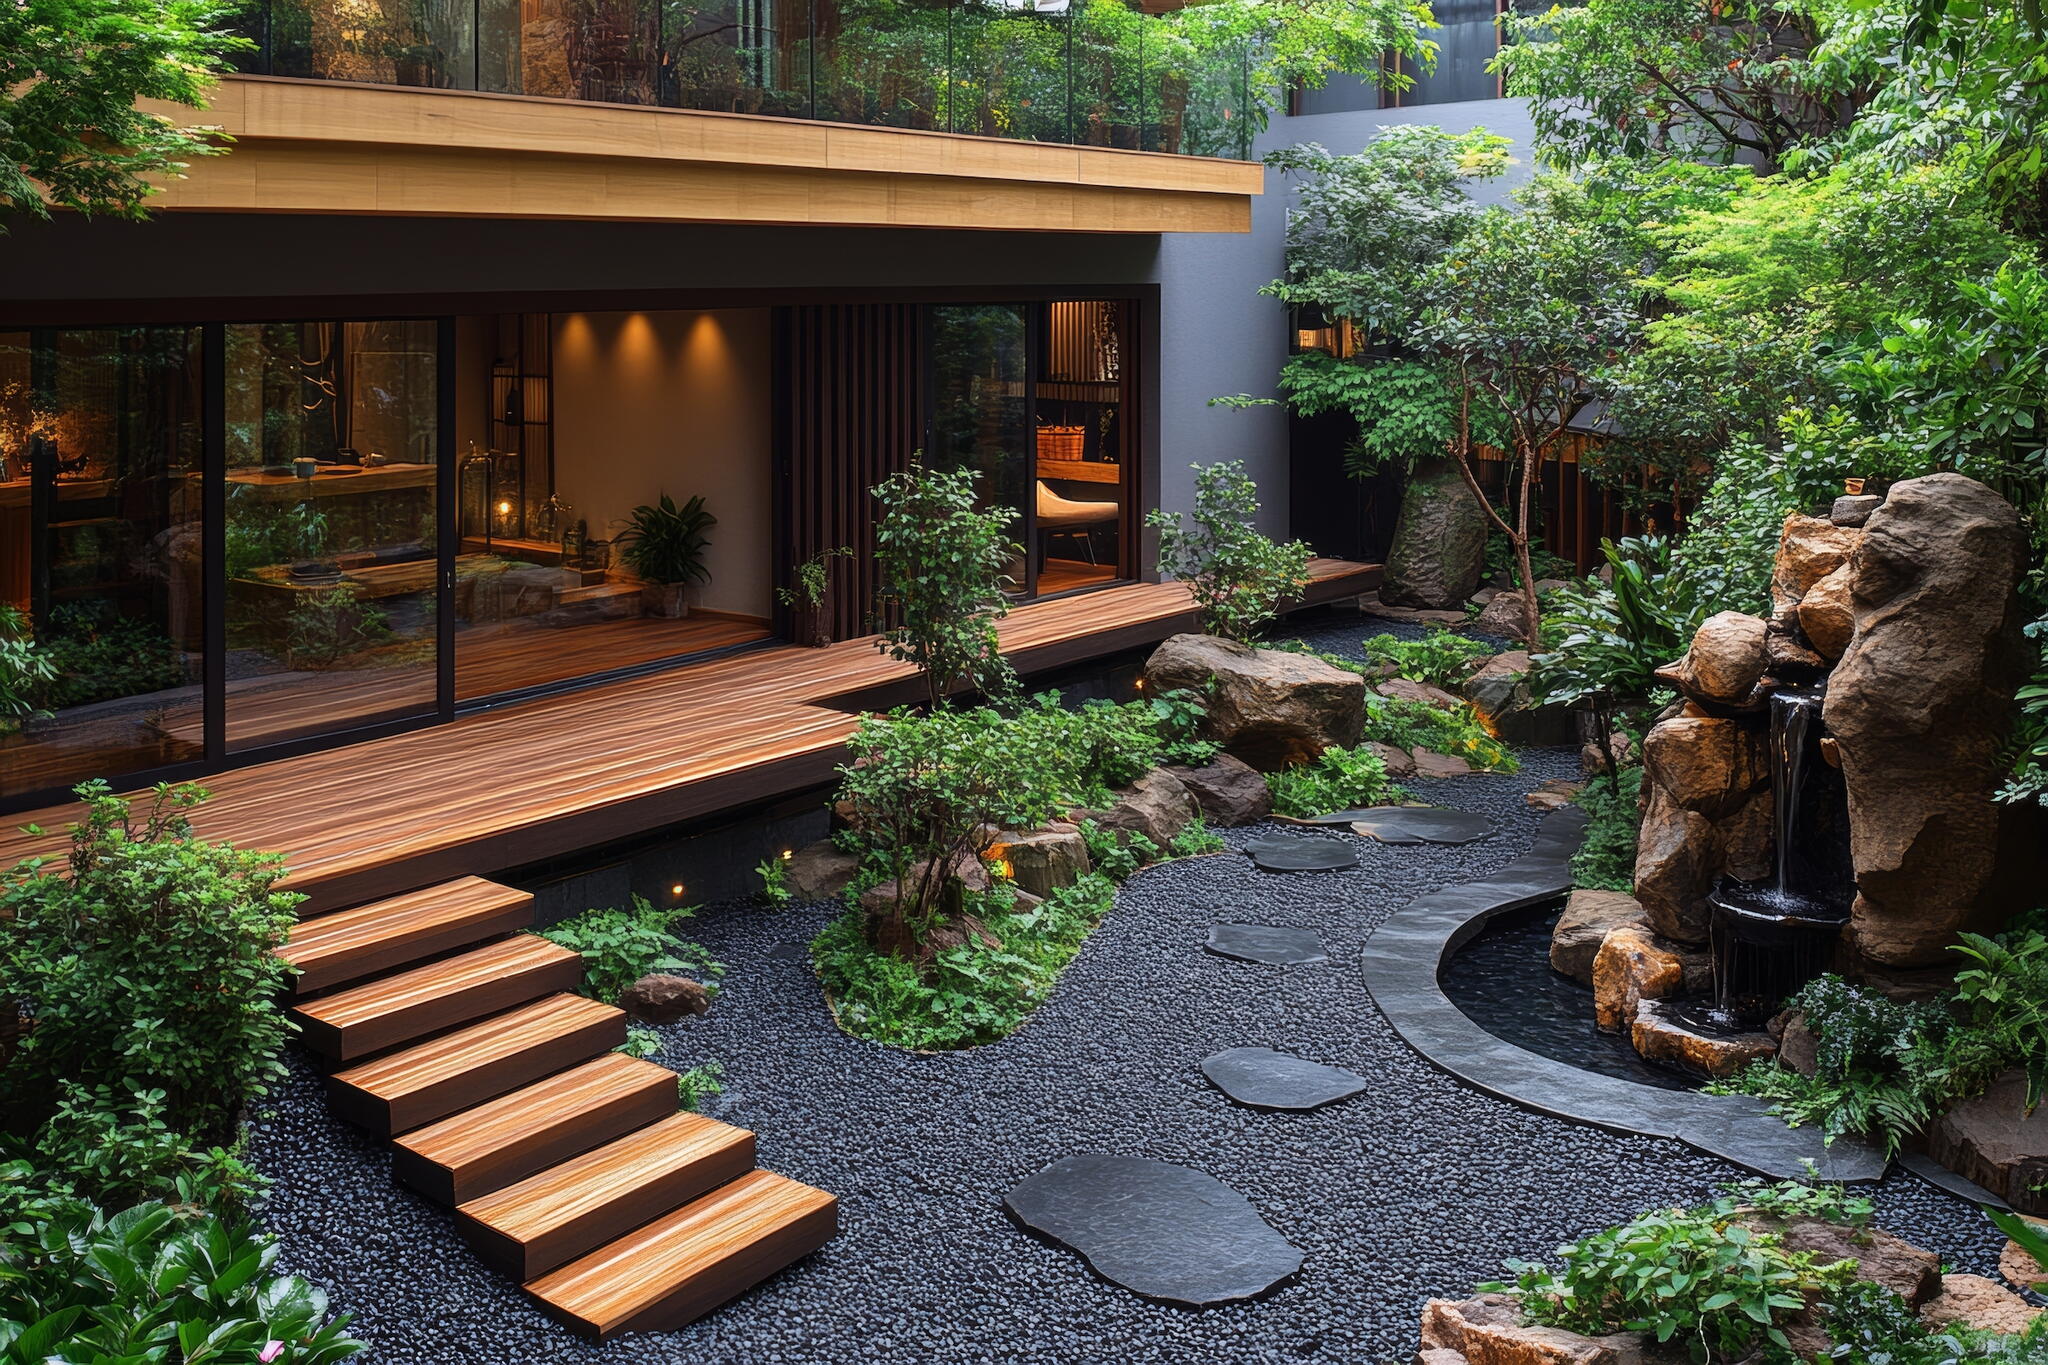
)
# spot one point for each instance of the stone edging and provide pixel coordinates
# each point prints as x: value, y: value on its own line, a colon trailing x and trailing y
x: 1405, y: 954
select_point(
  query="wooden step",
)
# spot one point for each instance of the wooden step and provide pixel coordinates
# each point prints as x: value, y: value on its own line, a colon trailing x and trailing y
x: 467, y: 1155
x: 529, y: 1228
x: 433, y: 1079
x: 684, y: 1264
x: 359, y: 1020
x: 410, y: 928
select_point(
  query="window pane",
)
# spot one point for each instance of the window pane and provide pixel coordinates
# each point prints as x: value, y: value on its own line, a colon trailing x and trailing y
x: 740, y: 56
x: 1465, y: 44
x: 100, y: 550
x: 880, y: 61
x: 1082, y: 459
x: 1010, y: 70
x: 330, y: 531
x: 384, y: 42
x: 1108, y: 74
x: 979, y: 417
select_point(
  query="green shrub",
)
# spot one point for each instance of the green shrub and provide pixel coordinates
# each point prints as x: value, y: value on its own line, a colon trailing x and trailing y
x: 151, y: 1283
x: 97, y: 654
x: 26, y: 670
x: 774, y: 875
x: 664, y: 543
x: 967, y: 995
x: 641, y: 1043
x: 1872, y: 1325
x: 621, y: 946
x: 1606, y: 860
x: 699, y: 1084
x: 1337, y: 779
x: 1196, y: 839
x: 1117, y: 854
x: 942, y: 559
x: 1442, y: 657
x: 1452, y: 730
x: 103, y: 954
x: 1237, y: 576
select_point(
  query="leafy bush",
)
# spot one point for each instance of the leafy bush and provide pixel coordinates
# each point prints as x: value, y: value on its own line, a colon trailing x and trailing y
x: 25, y: 670
x: 1115, y: 854
x: 969, y: 995
x: 1442, y: 657
x: 1872, y: 1325
x: 1196, y: 839
x: 102, y: 955
x: 2029, y: 741
x: 149, y: 1284
x: 1454, y: 731
x: 774, y: 875
x: 1336, y: 779
x: 664, y: 543
x: 1610, y: 638
x: 942, y: 562
x: 1606, y: 860
x: 621, y: 946
x: 98, y: 654
x: 1237, y: 576
x: 699, y: 1084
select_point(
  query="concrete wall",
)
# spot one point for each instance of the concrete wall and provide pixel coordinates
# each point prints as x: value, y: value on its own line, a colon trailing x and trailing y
x: 676, y: 403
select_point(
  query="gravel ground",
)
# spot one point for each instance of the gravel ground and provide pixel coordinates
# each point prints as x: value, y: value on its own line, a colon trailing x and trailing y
x: 1416, y: 1188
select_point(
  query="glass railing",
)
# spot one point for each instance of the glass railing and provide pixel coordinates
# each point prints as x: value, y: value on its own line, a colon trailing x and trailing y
x: 1094, y: 72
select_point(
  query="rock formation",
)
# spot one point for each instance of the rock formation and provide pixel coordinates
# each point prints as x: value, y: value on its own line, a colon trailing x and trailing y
x: 1269, y: 707
x: 1439, y: 547
x: 1706, y: 814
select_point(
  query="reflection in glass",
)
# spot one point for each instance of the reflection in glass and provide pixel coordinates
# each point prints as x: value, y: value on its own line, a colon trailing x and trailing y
x: 1108, y: 80
x: 385, y: 42
x: 980, y: 418
x: 1009, y: 71
x: 100, y: 569
x: 880, y: 61
x: 330, y: 532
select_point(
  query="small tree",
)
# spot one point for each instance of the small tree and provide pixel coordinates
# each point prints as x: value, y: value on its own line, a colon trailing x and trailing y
x: 1238, y: 577
x: 942, y: 563
x: 71, y: 75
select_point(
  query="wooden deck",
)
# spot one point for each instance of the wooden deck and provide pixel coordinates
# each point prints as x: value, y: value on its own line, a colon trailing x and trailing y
x: 507, y: 787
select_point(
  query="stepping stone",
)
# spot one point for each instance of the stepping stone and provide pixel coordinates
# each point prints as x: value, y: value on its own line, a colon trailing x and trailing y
x: 1260, y: 1078
x: 1294, y: 853
x: 1422, y: 825
x: 789, y: 952
x: 1265, y: 943
x: 1162, y: 1231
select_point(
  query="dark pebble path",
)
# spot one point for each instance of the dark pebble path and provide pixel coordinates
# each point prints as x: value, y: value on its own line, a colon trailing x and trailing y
x: 1416, y: 1187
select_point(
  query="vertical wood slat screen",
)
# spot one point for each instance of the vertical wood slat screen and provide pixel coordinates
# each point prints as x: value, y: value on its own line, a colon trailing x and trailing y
x: 854, y: 415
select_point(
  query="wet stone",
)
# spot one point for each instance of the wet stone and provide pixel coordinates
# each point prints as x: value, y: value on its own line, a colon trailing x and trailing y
x: 1265, y: 943
x: 1422, y: 825
x: 1260, y: 1078
x: 1294, y: 853
x: 1162, y: 1231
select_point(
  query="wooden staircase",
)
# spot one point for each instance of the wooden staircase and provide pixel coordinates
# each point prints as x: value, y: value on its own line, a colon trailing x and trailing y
x: 449, y: 1031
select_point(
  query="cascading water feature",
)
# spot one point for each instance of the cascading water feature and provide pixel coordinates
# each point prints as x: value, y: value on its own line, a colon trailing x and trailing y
x: 1769, y: 939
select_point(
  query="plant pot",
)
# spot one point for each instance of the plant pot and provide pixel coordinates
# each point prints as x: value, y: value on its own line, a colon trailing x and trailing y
x: 812, y: 626
x: 670, y: 600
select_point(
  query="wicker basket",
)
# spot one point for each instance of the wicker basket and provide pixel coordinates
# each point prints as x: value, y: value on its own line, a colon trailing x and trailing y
x: 1059, y: 443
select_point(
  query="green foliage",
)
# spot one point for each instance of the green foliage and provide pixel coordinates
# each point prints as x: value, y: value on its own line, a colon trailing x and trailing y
x: 664, y: 543
x: 1442, y: 657
x: 942, y: 563
x: 1337, y: 779
x: 1117, y: 854
x: 699, y: 1083
x: 619, y: 946
x: 1196, y: 839
x: 25, y: 670
x: 2029, y: 743
x: 1827, y: 1201
x: 774, y: 875
x: 811, y: 578
x: 99, y: 654
x: 118, y: 1146
x: 1872, y: 1325
x: 968, y: 995
x: 2028, y: 1235
x: 150, y: 1285
x: 1237, y: 576
x: 75, y: 77
x: 641, y: 1043
x: 262, y: 533
x: 1455, y: 731
x: 2004, y: 996
x: 1606, y: 860
x: 1611, y: 637
x: 102, y: 953
x: 327, y: 626
x: 1700, y: 1280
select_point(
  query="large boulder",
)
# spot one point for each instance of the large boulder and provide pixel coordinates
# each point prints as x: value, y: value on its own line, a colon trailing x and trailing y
x: 660, y: 998
x: 1042, y: 861
x: 1994, y: 1141
x: 1632, y: 966
x: 1230, y: 792
x: 1659, y: 1034
x: 1921, y: 706
x: 1506, y: 616
x: 1156, y: 806
x: 1439, y: 547
x: 2019, y: 1267
x: 1809, y: 549
x: 1711, y: 765
x: 1487, y: 1330
x: 1589, y: 917
x: 820, y: 871
x: 1724, y: 662
x: 1827, y: 617
x: 1269, y: 707
x: 1706, y: 814
x: 1976, y: 1302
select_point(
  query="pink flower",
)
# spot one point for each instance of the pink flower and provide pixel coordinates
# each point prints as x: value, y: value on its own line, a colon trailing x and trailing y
x: 271, y: 1351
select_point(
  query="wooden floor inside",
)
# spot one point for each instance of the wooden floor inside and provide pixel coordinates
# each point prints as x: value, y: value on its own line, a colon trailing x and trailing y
x: 539, y: 779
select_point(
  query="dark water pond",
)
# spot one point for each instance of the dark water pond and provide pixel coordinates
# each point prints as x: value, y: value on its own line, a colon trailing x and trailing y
x: 1502, y: 980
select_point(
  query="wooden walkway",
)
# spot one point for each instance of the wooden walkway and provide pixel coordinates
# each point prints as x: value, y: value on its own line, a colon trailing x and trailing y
x: 508, y: 787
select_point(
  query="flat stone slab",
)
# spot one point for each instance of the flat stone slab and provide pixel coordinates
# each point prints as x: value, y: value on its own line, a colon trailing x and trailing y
x: 1266, y: 943
x: 1260, y: 1078
x: 1422, y: 825
x: 1162, y: 1231
x: 1297, y: 853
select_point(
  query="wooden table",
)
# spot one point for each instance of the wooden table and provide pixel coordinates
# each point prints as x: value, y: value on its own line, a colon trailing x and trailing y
x: 332, y: 481
x: 1081, y: 471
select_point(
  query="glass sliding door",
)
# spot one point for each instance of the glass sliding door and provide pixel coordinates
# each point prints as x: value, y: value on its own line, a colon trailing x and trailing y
x: 981, y: 413
x: 331, y: 527
x: 101, y: 570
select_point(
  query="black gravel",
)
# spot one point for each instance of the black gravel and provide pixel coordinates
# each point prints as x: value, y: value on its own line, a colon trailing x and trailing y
x: 1418, y: 1187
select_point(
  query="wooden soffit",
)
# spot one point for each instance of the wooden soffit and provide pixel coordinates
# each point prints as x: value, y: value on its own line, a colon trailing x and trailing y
x: 329, y: 147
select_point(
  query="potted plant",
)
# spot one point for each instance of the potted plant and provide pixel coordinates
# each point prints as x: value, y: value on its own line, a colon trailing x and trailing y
x: 664, y: 545
x: 809, y: 598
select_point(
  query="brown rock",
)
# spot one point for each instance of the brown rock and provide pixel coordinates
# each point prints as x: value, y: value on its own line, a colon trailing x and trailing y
x: 1487, y: 1330
x: 1594, y: 762
x: 1825, y: 615
x: 1156, y: 806
x: 1506, y: 615
x: 1798, y: 1044
x: 1677, y: 859
x: 1921, y: 705
x: 1711, y: 765
x: 1441, y: 1355
x: 1230, y: 792
x: 1588, y: 918
x: 969, y: 874
x: 1269, y: 707
x: 1553, y: 794
x: 819, y: 871
x: 1630, y: 967
x: 1042, y: 861
x: 1908, y: 1271
x: 1973, y: 1301
x: 1993, y: 1140
x: 1429, y: 764
x: 1499, y: 688
x: 1370, y: 604
x: 663, y: 999
x: 2019, y: 1267
x: 1398, y: 762
x: 1809, y: 549
x: 1660, y: 1036
x: 1724, y: 663
x: 1439, y: 545
x: 1748, y: 839
x: 1407, y: 689
x: 1785, y: 648
x: 1854, y: 509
